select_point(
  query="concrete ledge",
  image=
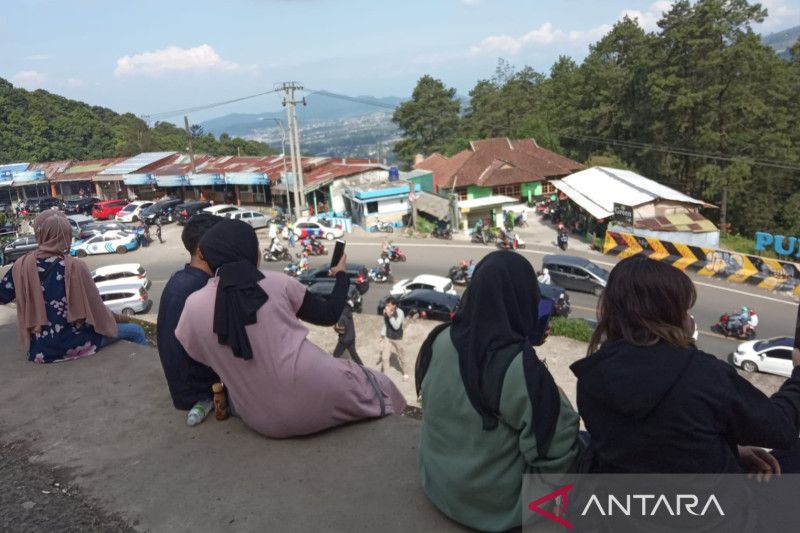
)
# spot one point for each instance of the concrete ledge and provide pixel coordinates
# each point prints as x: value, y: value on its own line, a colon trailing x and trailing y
x: 109, y: 420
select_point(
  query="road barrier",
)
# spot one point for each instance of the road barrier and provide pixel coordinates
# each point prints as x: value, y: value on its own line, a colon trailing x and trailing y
x: 762, y: 272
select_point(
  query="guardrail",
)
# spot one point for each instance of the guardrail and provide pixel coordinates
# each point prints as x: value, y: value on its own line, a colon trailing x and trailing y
x: 762, y: 272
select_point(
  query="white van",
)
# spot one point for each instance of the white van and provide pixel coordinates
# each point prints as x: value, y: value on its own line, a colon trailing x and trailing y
x: 124, y: 298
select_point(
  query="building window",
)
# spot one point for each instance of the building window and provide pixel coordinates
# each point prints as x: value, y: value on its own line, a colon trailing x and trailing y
x: 372, y: 208
x: 547, y: 188
x: 462, y: 194
x: 507, y: 190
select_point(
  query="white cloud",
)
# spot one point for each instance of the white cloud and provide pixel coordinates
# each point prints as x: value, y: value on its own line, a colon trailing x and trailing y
x: 544, y: 34
x: 648, y: 19
x: 29, y: 79
x: 174, y: 59
x: 780, y: 15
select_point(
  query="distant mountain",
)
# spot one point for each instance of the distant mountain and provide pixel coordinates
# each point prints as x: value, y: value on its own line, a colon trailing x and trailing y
x: 319, y: 108
x: 782, y: 40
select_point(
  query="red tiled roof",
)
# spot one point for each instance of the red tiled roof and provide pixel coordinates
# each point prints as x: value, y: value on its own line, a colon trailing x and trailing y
x: 337, y: 168
x: 499, y: 161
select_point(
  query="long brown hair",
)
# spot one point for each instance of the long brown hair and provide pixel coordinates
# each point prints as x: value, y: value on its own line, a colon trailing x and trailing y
x: 645, y: 302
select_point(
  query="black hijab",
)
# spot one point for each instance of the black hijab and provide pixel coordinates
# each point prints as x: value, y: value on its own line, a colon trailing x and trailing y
x: 497, y: 315
x: 231, y: 249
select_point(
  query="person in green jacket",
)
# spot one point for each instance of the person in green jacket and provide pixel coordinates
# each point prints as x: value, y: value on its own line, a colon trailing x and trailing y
x: 491, y: 411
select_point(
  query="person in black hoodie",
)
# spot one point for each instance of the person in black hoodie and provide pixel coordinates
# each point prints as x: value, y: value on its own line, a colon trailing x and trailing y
x: 652, y: 402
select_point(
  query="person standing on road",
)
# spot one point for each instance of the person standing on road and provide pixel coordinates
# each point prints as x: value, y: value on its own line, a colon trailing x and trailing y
x: 292, y: 236
x: 347, y: 332
x: 392, y: 336
x: 158, y: 230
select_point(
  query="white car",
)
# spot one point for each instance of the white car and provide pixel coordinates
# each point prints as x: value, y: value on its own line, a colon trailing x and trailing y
x: 126, y: 273
x: 132, y: 211
x: 315, y: 229
x: 220, y: 209
x: 124, y: 298
x: 423, y: 281
x: 773, y: 356
x: 254, y: 218
x: 106, y: 243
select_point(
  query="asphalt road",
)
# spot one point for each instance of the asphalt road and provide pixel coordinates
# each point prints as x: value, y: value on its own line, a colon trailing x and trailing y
x: 776, y: 312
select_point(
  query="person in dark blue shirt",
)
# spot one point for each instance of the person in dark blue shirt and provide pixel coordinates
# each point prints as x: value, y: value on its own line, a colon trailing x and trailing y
x: 189, y: 381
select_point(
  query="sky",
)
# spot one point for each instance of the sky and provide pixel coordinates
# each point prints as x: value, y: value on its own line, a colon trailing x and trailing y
x: 149, y: 57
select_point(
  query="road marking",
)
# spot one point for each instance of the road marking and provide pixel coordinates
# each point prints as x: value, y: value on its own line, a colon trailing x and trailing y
x: 604, y: 263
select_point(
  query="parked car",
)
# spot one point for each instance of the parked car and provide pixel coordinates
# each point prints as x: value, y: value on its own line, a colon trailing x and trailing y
x: 308, y: 229
x: 132, y: 211
x: 220, y: 209
x: 124, y: 298
x: 325, y: 289
x: 426, y: 303
x: 187, y: 209
x: 96, y: 228
x: 254, y: 218
x: 559, y: 296
x: 772, y: 356
x: 78, y: 223
x: 125, y: 273
x: 163, y: 210
x: 576, y: 273
x: 106, y: 243
x: 80, y: 206
x: 39, y: 204
x: 107, y: 209
x: 9, y: 229
x: 357, y: 274
x: 19, y: 247
x: 423, y: 281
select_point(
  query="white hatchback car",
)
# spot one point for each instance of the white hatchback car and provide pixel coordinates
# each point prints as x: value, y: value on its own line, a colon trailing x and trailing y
x: 423, y: 281
x: 254, y: 218
x: 314, y: 229
x: 220, y: 209
x: 126, y: 273
x: 124, y: 298
x: 132, y: 211
x: 773, y: 356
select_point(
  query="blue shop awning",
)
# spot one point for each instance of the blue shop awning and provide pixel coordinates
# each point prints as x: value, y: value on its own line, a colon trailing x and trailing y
x: 28, y: 176
x: 139, y: 179
x: 172, y: 181
x: 206, y: 180
x: 246, y: 178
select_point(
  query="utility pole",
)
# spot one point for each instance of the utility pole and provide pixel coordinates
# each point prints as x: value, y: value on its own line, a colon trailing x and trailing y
x: 290, y: 103
x: 283, y: 156
x: 191, y: 152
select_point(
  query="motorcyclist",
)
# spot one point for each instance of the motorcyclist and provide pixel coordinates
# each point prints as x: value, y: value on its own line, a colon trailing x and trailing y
x: 390, y: 250
x: 544, y: 277
x: 276, y: 247
x: 563, y: 236
x: 470, y: 269
x: 736, y: 323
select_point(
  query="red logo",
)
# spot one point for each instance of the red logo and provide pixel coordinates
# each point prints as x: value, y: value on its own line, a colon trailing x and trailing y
x: 561, y: 498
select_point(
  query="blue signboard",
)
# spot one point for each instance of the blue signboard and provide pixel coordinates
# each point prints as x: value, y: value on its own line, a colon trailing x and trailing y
x: 172, y: 181
x: 139, y: 179
x: 206, y: 180
x: 28, y: 176
x: 246, y: 178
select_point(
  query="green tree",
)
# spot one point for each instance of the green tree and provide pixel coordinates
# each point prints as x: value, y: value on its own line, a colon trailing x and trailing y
x: 430, y: 120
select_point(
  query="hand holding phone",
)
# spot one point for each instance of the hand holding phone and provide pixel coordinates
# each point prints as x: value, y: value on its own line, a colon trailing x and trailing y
x: 337, y: 263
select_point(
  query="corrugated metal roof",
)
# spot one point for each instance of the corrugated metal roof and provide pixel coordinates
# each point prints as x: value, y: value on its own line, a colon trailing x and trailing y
x: 51, y: 168
x: 85, y: 170
x: 13, y: 167
x: 137, y: 162
x: 596, y: 190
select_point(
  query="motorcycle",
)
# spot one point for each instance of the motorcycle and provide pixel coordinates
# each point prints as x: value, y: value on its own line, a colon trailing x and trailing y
x: 277, y: 255
x: 383, y: 227
x: 294, y: 269
x: 316, y: 248
x: 397, y: 255
x: 379, y: 275
x: 443, y: 232
x: 458, y: 275
x: 510, y: 241
x: 742, y: 331
x: 562, y: 241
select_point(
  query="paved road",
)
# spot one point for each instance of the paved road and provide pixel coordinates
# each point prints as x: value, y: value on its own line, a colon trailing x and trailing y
x: 776, y: 312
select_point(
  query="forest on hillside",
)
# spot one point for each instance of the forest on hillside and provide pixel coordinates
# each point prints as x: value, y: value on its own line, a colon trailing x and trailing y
x: 40, y: 126
x: 700, y: 105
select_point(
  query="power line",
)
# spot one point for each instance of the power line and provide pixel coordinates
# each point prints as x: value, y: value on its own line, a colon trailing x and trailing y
x: 680, y: 151
x: 167, y: 114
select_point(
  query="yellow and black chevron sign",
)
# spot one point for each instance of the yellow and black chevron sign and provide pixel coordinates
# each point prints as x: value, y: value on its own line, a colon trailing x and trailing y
x: 762, y: 272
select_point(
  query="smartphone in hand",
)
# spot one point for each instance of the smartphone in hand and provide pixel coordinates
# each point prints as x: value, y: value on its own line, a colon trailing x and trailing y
x: 338, y: 252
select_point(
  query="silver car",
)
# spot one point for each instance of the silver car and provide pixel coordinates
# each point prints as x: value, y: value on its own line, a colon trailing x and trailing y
x: 124, y: 298
x: 254, y: 218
